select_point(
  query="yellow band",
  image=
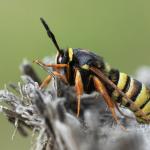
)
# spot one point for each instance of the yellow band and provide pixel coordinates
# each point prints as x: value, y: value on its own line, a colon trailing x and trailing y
x: 70, y: 51
x: 122, y: 80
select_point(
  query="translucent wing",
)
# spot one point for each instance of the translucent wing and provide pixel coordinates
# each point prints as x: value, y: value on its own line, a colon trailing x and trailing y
x: 106, y: 80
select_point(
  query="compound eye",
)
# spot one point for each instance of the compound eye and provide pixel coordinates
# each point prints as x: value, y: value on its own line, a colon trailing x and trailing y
x: 59, y: 59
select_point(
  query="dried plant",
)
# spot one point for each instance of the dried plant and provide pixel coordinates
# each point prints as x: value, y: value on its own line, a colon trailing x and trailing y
x: 51, y: 113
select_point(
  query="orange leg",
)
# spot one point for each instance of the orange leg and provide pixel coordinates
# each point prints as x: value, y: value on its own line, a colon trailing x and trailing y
x: 102, y: 90
x: 79, y: 89
x: 49, y: 77
x: 46, y: 81
x: 56, y: 66
x: 55, y: 73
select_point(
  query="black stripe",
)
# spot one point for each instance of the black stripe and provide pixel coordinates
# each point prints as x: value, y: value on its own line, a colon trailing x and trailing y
x: 127, y: 86
x: 114, y: 77
x: 125, y: 89
x: 142, y: 106
x: 137, y: 87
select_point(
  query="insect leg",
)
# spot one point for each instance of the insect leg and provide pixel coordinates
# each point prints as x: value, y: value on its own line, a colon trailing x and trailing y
x: 57, y: 66
x: 102, y: 90
x: 121, y: 113
x: 49, y: 77
x: 62, y: 77
x: 109, y: 82
x: 79, y: 89
x: 46, y: 81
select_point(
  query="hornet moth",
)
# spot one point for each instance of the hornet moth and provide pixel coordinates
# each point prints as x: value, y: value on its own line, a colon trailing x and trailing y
x: 88, y: 72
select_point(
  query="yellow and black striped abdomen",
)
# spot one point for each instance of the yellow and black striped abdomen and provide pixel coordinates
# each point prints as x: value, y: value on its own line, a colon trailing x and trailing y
x: 135, y: 90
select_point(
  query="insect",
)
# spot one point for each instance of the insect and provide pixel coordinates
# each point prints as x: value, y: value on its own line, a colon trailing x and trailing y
x: 88, y: 72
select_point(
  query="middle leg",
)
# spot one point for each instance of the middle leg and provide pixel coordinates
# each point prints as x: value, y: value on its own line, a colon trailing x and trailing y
x: 79, y: 89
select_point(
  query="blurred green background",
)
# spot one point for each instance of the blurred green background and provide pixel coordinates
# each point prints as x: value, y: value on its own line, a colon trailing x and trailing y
x: 118, y: 30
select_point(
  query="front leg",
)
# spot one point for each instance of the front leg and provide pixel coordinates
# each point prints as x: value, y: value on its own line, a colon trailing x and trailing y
x: 56, y: 66
x: 49, y: 77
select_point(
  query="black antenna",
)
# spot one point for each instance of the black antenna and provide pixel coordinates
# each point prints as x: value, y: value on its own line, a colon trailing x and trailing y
x: 50, y: 34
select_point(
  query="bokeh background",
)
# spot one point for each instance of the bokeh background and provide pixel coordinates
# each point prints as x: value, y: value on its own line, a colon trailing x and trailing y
x: 118, y: 30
